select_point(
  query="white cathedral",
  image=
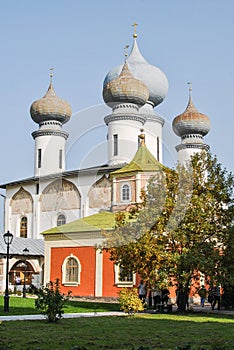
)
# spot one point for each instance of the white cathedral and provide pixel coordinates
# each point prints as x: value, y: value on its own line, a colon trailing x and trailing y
x: 54, y: 197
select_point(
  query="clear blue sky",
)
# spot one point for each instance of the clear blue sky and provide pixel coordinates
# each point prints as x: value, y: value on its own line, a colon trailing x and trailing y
x: 83, y: 39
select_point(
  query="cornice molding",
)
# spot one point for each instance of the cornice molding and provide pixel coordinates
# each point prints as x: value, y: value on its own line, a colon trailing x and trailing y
x: 192, y: 145
x: 114, y: 117
x: 39, y: 133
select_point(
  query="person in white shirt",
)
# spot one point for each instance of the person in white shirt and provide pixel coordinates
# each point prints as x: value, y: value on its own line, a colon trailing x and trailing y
x: 142, y: 291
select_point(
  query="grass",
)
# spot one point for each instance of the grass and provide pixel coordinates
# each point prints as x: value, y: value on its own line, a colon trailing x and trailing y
x: 144, y: 331
x: 25, y: 306
x: 162, y: 331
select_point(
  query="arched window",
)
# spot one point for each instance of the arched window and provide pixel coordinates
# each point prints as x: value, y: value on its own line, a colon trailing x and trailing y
x: 61, y: 220
x: 71, y: 271
x: 126, y: 192
x: 23, y: 227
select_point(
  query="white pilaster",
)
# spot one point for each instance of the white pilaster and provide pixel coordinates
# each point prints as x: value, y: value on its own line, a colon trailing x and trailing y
x: 98, y: 273
x: 138, y: 187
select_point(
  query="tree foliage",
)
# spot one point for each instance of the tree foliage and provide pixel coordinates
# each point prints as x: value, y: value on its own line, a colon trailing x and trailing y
x: 182, y: 229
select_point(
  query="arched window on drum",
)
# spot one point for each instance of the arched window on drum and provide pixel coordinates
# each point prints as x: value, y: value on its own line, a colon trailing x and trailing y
x: 24, y: 227
x: 61, y: 220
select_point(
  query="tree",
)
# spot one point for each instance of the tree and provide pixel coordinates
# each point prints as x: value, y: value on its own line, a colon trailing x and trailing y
x: 228, y: 271
x: 50, y: 301
x: 182, y: 228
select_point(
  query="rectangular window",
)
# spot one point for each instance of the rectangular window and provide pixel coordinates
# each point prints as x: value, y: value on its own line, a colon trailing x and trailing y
x: 123, y: 279
x: 158, y: 148
x: 1, y: 268
x: 115, y: 144
x: 60, y: 159
x: 39, y: 158
x: 37, y: 188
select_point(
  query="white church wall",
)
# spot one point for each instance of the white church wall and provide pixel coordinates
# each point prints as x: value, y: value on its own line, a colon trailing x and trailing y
x: 185, y: 154
x: 50, y: 158
x: 128, y: 132
x: 153, y: 139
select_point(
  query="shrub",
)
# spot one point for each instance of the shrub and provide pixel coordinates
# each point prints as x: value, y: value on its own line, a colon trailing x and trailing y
x: 50, y: 301
x: 32, y: 289
x: 129, y: 301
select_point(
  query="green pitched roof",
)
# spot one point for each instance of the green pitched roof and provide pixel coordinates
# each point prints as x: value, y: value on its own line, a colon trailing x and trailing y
x: 96, y: 222
x: 143, y: 161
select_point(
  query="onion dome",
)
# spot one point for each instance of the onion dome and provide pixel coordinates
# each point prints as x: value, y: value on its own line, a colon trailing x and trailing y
x: 124, y: 89
x: 50, y: 107
x: 191, y: 121
x: 151, y: 76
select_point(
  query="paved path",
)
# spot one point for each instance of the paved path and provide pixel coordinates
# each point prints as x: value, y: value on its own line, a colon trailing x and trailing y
x: 75, y: 315
x: 196, y: 308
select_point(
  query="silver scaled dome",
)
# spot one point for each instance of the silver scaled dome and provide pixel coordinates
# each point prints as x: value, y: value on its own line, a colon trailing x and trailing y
x: 191, y: 121
x: 124, y: 89
x: 50, y: 107
x: 151, y: 76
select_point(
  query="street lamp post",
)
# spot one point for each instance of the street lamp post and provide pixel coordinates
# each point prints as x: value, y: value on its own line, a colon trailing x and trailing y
x: 8, y: 237
x: 26, y: 251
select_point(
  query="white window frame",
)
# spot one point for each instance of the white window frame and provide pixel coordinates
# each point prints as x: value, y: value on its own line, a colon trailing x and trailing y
x: 64, y: 281
x: 120, y: 283
x: 130, y: 192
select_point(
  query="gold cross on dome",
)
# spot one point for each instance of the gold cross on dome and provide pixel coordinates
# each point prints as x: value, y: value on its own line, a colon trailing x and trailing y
x: 134, y: 25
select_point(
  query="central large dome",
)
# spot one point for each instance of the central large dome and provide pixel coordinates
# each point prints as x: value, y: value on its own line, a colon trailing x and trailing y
x: 155, y: 80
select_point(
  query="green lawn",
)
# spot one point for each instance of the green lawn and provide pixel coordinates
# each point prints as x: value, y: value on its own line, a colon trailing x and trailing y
x: 141, y: 332
x: 25, y: 306
x: 144, y: 331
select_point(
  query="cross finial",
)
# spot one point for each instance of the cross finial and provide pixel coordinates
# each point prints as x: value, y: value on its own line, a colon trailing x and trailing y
x: 125, y: 50
x: 134, y: 25
x: 142, y: 137
x: 51, y: 74
x: 190, y: 86
x: 190, y: 90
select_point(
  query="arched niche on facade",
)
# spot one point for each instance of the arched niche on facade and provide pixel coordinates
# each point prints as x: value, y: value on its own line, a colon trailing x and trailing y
x: 100, y: 194
x: 60, y: 195
x: 21, y: 202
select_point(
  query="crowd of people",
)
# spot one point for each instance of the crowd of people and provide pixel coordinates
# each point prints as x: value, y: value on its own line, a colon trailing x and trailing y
x: 161, y: 297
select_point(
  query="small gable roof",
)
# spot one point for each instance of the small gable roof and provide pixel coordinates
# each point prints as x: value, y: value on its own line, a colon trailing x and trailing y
x: 143, y: 161
x: 96, y: 222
